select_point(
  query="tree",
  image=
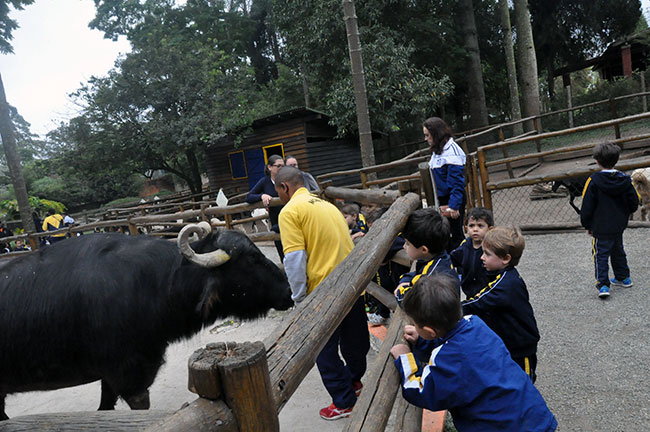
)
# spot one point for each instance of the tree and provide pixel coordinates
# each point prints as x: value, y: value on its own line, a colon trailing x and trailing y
x: 359, y: 84
x: 400, y: 86
x: 476, y: 93
x: 515, y: 109
x: 527, y: 61
x: 567, y: 32
x: 13, y: 161
x: 8, y: 25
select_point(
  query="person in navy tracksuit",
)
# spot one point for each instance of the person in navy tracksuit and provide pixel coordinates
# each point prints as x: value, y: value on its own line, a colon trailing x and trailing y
x: 504, y: 304
x: 466, y: 258
x: 447, y: 167
x: 459, y: 364
x: 608, y: 200
x: 426, y: 235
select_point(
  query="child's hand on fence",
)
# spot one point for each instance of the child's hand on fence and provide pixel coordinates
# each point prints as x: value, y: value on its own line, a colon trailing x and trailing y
x: 410, y: 334
x: 399, y: 349
x: 400, y: 286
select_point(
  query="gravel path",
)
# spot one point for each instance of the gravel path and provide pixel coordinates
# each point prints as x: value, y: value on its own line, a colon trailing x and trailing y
x: 593, y: 355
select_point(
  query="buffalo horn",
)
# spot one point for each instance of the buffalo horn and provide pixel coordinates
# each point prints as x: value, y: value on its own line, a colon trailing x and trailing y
x: 209, y: 259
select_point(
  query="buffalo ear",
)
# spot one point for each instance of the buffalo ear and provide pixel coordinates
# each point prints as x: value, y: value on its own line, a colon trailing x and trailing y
x: 209, y: 298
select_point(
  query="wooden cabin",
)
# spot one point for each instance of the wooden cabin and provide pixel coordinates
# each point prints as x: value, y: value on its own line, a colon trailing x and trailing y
x: 302, y: 132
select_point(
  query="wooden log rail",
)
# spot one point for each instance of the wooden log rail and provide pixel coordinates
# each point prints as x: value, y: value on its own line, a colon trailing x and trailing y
x: 530, y: 180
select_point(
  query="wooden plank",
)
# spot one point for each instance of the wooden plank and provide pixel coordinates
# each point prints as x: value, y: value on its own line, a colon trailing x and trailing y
x: 363, y: 196
x: 202, y: 415
x: 295, y: 343
x: 114, y: 421
x: 372, y: 409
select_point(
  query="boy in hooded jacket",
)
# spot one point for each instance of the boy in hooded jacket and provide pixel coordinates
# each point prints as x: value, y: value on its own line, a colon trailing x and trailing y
x: 608, y: 200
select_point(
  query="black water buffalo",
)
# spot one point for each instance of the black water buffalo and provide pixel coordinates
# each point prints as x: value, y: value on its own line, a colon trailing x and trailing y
x: 105, y: 307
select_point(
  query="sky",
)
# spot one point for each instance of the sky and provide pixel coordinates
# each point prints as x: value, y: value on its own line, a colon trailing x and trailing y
x: 55, y: 53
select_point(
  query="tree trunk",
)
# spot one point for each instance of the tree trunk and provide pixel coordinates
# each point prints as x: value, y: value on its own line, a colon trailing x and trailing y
x: 359, y: 83
x: 194, y: 182
x: 515, y: 108
x: 13, y: 162
x: 476, y: 91
x: 527, y: 62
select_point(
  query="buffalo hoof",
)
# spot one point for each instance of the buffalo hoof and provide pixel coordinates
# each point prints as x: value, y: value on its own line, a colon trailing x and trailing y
x: 139, y: 402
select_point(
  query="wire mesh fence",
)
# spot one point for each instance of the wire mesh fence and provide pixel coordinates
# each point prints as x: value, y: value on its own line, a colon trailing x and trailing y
x: 533, y: 205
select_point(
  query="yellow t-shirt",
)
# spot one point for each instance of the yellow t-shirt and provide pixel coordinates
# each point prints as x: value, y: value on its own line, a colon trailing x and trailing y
x: 316, y: 226
x: 55, y: 220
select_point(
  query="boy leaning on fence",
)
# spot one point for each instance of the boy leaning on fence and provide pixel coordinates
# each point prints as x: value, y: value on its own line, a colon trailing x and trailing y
x: 459, y: 364
x: 426, y: 235
x: 608, y: 200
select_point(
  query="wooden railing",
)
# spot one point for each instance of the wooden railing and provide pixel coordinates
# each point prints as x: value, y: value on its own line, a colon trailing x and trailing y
x: 487, y: 186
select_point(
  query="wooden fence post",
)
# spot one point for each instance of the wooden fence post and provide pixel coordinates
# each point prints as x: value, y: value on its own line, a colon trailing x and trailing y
x: 537, y: 121
x: 133, y: 228
x: 364, y: 179
x: 613, y: 109
x: 487, y: 197
x: 427, y: 185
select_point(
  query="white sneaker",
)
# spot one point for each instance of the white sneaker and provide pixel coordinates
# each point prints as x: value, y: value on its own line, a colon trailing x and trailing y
x: 376, y: 319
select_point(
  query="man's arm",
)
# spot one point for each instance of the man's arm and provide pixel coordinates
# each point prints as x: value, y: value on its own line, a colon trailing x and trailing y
x: 295, y: 265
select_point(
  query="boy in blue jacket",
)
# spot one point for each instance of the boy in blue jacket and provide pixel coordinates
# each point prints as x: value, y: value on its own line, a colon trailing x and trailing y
x: 426, y: 235
x: 459, y: 364
x: 466, y: 258
x: 504, y: 304
x: 608, y: 200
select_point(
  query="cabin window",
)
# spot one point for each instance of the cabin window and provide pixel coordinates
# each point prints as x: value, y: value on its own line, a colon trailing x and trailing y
x: 237, y: 165
x: 273, y: 149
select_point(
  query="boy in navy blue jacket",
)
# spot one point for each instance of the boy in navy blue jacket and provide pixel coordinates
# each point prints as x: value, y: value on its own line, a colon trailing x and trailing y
x: 503, y: 304
x: 466, y: 258
x: 459, y: 364
x: 608, y: 200
x: 426, y: 235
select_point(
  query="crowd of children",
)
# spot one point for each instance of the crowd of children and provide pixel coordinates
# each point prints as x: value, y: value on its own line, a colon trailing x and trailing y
x: 477, y: 357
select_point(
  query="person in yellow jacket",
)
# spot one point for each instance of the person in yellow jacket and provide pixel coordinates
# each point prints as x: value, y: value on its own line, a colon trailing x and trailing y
x: 53, y: 222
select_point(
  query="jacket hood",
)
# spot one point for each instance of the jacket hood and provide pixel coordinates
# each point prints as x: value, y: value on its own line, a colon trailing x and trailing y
x: 612, y: 182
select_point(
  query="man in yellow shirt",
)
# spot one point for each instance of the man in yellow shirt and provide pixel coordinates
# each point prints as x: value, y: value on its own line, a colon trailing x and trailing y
x: 53, y: 222
x: 316, y: 239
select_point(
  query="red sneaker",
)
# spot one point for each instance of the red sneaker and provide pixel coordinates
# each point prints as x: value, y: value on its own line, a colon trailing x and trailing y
x: 332, y: 412
x: 357, y: 386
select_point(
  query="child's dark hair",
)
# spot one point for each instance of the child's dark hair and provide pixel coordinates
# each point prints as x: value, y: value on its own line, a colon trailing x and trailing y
x: 425, y: 227
x: 440, y: 132
x: 480, y: 213
x: 606, y: 154
x: 350, y: 209
x: 434, y: 301
x: 505, y: 241
x: 374, y: 214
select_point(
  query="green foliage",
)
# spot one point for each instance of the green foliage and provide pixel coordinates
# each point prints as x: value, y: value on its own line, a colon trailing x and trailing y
x: 567, y: 32
x: 8, y: 25
x: 9, y: 208
x: 400, y: 83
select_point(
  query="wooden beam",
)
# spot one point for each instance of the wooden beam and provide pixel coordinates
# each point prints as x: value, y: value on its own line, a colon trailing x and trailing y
x: 363, y: 196
x: 372, y: 410
x: 295, y: 343
x: 123, y: 421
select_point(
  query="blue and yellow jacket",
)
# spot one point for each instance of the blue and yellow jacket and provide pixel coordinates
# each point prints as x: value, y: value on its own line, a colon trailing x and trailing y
x: 438, y: 264
x: 505, y: 307
x: 467, y: 261
x: 470, y: 373
x: 608, y: 200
